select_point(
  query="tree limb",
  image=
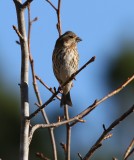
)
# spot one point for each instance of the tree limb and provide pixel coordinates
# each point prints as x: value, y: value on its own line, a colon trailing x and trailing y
x: 78, y: 118
x: 24, y: 145
x: 129, y: 150
x: 97, y: 102
x: 26, y: 3
x: 106, y: 131
x: 46, y: 86
x: 35, y: 86
x: 58, y: 15
x: 68, y: 134
x: 68, y: 80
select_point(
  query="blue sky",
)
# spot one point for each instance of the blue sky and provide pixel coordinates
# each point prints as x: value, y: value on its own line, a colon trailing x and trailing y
x: 101, y: 24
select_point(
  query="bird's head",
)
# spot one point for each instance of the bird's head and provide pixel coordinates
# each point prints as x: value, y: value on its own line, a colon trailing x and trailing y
x: 68, y: 39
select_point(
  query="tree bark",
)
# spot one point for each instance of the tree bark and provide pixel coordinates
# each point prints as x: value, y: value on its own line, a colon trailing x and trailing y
x: 24, y: 143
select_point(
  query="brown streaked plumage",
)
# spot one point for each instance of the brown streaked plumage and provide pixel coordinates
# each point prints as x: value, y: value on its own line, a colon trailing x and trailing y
x: 65, y: 62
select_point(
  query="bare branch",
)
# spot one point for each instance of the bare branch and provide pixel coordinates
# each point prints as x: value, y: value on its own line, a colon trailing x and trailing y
x: 34, y: 20
x: 52, y: 5
x: 68, y: 80
x: 105, y: 132
x: 51, y: 125
x: 108, y: 136
x: 44, y: 105
x: 64, y: 146
x: 26, y: 3
x: 58, y: 15
x: 78, y: 118
x: 25, y: 123
x: 36, y: 87
x: 114, y: 158
x: 96, y: 103
x: 84, y: 66
x: 32, y: 61
x: 68, y: 134
x: 49, y: 88
x: 17, y: 42
x: 80, y: 156
x: 104, y: 127
x: 41, y: 156
x: 59, y: 19
x: 18, y: 33
x: 91, y: 107
x: 129, y: 150
x: 130, y: 153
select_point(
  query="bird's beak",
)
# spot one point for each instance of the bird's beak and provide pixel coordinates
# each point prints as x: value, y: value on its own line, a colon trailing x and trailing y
x: 78, y: 39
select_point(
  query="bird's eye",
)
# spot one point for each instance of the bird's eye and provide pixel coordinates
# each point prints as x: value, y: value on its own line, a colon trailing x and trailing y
x: 71, y: 37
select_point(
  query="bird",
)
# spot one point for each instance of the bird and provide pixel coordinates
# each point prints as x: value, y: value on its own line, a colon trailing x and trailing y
x: 65, y: 59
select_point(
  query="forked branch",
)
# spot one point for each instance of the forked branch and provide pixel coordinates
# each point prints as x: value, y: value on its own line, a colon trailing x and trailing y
x: 58, y: 15
x: 78, y: 118
x: 58, y: 91
x: 35, y: 86
x: 21, y: 32
x: 97, y: 102
x: 98, y: 143
x: 129, y: 150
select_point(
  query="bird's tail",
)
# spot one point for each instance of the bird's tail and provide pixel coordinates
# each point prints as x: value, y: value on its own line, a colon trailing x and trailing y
x: 66, y: 99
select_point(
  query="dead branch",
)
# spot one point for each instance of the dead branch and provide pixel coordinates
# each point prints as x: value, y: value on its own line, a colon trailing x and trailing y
x: 35, y: 86
x: 78, y: 118
x: 26, y: 3
x: 68, y: 134
x: 41, y: 156
x: 97, y: 102
x: 51, y: 125
x: 18, y: 33
x: 51, y: 98
x: 105, y: 132
x: 58, y: 15
x: 79, y: 155
x: 59, y: 19
x: 25, y: 123
x: 52, y: 5
x: 47, y: 87
x: 129, y: 150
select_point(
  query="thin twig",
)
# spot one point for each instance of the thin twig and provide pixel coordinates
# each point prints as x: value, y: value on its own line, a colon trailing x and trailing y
x: 63, y: 145
x: 41, y: 156
x: 109, y: 135
x: 49, y: 88
x: 84, y: 66
x: 78, y: 118
x: 105, y: 132
x: 51, y: 125
x: 97, y: 102
x: 59, y: 18
x: 25, y: 123
x: 129, y: 150
x: 91, y: 107
x: 114, y: 158
x: 79, y: 155
x: 130, y: 153
x: 58, y: 15
x: 52, y: 5
x: 68, y: 80
x: 68, y: 133
x: 18, y: 33
x: 32, y: 61
x: 26, y: 3
x: 36, y: 87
